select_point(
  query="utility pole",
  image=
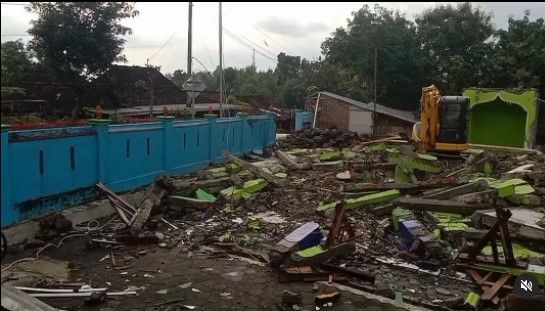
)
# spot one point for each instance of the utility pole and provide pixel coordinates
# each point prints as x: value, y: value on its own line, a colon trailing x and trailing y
x: 221, y: 61
x: 253, y: 58
x: 150, y: 90
x: 190, y: 101
x: 375, y: 91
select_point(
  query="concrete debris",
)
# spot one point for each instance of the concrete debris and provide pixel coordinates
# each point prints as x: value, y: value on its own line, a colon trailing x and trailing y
x: 389, y: 223
x: 319, y: 138
x: 16, y: 300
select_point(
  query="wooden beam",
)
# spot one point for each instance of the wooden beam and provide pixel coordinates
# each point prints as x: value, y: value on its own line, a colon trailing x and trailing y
x: 433, y: 205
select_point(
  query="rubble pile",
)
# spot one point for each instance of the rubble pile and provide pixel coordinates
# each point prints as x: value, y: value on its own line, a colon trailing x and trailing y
x: 320, y: 138
x: 441, y: 232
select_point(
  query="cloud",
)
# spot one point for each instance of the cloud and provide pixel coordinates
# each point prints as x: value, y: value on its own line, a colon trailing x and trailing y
x: 316, y: 27
x: 502, y: 10
x: 290, y: 27
x: 13, y: 28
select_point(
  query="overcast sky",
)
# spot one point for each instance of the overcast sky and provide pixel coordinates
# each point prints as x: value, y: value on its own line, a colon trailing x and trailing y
x: 293, y: 28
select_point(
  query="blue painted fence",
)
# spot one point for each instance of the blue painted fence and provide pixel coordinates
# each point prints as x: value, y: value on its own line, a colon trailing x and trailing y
x: 51, y: 169
x: 303, y: 118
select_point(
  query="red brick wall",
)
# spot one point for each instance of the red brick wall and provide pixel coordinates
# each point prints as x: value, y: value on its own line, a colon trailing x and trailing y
x: 332, y: 113
x: 387, y: 125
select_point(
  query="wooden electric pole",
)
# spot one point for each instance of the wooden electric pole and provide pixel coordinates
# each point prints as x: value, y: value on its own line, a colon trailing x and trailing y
x: 190, y: 100
x: 221, y: 61
x: 375, y: 94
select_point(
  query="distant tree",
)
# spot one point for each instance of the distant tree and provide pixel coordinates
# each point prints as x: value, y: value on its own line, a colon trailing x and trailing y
x: 520, y: 54
x: 16, y: 62
x: 456, y: 43
x: 287, y: 67
x: 178, y: 77
x: 79, y: 39
x: 393, y: 37
x: 294, y: 92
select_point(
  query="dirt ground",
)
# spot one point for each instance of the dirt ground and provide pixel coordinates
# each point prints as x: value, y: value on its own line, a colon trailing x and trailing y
x: 216, y: 283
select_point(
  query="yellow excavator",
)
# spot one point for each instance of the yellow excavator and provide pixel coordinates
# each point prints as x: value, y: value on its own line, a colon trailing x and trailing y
x: 443, y: 122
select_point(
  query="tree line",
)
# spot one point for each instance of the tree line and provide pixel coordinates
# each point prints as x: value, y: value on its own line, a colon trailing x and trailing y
x: 452, y: 46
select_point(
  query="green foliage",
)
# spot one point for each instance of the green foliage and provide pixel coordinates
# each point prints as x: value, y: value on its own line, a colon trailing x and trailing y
x: 456, y: 46
x: 15, y: 62
x: 184, y: 113
x: 393, y: 38
x: 287, y: 68
x: 79, y: 39
x: 520, y: 51
x: 294, y: 92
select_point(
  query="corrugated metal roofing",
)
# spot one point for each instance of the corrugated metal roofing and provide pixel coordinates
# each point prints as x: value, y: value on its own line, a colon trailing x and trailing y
x: 395, y: 113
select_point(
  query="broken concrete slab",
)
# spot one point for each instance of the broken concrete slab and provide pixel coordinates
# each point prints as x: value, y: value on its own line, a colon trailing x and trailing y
x: 481, y: 197
x: 254, y: 169
x: 457, y: 191
x: 523, y: 223
x: 290, y: 161
x: 16, y: 300
x: 378, y: 197
x: 189, y: 202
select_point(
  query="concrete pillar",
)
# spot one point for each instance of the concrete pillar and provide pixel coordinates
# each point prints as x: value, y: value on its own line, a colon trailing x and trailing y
x: 9, y: 213
x: 213, y: 144
x: 103, y: 144
x: 168, y: 153
x: 245, y: 132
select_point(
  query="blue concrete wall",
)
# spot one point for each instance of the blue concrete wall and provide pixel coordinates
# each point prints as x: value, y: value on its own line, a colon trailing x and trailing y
x: 302, y: 118
x: 46, y: 170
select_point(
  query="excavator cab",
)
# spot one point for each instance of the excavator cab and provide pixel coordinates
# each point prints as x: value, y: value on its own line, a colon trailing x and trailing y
x: 443, y: 122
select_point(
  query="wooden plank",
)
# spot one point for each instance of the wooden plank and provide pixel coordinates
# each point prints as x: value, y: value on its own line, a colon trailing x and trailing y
x: 122, y: 215
x: 491, y: 292
x: 105, y: 190
x: 438, y: 205
x: 153, y: 197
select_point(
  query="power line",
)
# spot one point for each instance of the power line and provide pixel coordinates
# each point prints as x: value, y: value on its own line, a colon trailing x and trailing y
x: 245, y: 44
x: 198, y: 61
x: 249, y: 47
x: 255, y: 44
x: 151, y: 46
x: 251, y: 43
x: 280, y: 45
x: 172, y: 36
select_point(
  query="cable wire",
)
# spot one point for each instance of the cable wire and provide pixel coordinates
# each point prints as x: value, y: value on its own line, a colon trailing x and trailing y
x: 252, y: 46
x: 172, y: 36
x: 88, y: 229
x: 249, y: 46
x: 253, y: 43
x: 275, y: 41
